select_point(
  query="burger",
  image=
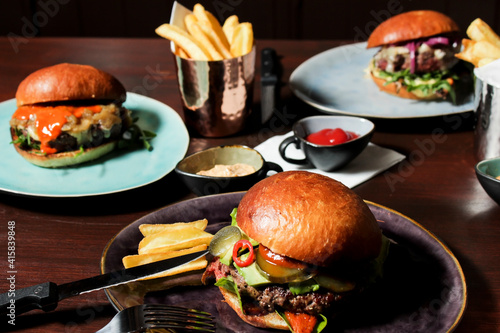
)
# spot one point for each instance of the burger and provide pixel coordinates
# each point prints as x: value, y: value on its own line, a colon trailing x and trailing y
x: 68, y: 114
x: 301, y: 247
x: 416, y: 57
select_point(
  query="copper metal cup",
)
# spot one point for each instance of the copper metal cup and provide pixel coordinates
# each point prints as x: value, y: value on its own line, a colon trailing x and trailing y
x: 217, y: 96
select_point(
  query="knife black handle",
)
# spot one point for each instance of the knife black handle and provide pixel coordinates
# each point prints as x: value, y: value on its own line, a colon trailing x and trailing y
x: 268, y: 66
x: 42, y: 296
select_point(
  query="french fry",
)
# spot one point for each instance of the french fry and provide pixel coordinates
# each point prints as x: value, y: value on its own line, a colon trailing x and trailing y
x: 242, y: 42
x: 212, y: 28
x: 163, y: 241
x: 180, y: 52
x: 485, y: 61
x: 196, y: 31
x: 176, y: 246
x: 478, y: 30
x: 483, y: 47
x: 229, y: 25
x: 467, y: 52
x: 180, y: 37
x: 149, y: 229
x: 176, y: 239
x: 215, y: 40
x: 141, y: 259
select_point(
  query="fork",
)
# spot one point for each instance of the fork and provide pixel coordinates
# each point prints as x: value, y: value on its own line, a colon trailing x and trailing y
x: 157, y: 316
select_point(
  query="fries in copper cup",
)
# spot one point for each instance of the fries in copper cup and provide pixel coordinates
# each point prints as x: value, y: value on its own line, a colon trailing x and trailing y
x: 205, y: 39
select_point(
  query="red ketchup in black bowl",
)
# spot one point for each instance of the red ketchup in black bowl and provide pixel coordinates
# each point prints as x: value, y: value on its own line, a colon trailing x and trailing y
x: 330, y: 137
x: 328, y: 142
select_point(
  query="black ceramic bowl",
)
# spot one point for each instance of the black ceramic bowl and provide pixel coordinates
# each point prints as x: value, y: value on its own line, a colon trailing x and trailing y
x: 486, y: 172
x: 328, y: 158
x: 188, y: 168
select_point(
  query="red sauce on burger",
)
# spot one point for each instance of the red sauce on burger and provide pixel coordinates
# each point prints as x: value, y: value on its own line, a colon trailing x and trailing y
x: 50, y: 120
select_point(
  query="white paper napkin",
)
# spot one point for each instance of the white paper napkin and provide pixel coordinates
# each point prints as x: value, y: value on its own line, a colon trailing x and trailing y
x: 372, y: 161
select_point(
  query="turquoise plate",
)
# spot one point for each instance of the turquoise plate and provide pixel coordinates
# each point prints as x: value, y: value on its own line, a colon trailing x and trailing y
x: 115, y: 172
x: 335, y: 81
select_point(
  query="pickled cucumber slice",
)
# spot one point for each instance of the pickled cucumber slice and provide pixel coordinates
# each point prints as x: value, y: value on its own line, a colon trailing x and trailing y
x: 224, y: 240
x: 335, y: 284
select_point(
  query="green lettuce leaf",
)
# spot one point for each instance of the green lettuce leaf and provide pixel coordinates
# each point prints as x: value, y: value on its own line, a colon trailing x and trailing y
x: 235, y: 224
x: 25, y: 141
x: 428, y: 83
x: 229, y: 284
x: 298, y: 288
x: 377, y: 264
x: 233, y: 217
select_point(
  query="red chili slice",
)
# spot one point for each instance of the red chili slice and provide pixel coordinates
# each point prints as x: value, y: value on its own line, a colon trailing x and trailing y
x: 241, y: 244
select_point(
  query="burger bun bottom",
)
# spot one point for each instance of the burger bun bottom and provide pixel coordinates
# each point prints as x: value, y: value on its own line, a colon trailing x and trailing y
x: 271, y: 320
x: 64, y: 159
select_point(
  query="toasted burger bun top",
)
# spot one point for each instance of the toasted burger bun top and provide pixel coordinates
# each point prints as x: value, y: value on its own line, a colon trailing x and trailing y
x: 411, y: 25
x: 68, y: 82
x: 309, y: 217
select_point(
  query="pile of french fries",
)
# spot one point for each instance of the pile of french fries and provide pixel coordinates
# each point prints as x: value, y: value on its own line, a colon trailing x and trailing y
x: 483, y: 46
x: 163, y: 241
x: 205, y: 39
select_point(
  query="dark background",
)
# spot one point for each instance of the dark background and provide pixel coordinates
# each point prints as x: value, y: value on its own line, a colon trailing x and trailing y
x: 277, y: 19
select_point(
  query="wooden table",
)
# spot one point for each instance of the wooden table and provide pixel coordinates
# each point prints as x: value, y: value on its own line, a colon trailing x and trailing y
x: 62, y: 239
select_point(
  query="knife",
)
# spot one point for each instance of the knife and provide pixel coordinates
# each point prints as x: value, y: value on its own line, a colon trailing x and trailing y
x: 268, y: 81
x: 45, y: 296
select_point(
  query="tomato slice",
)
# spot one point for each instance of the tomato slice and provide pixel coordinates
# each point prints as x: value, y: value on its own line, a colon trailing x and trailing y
x: 301, y: 322
x: 242, y: 244
x: 278, y: 259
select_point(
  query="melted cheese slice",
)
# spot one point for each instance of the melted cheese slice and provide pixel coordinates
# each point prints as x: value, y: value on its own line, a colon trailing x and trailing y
x: 46, y: 123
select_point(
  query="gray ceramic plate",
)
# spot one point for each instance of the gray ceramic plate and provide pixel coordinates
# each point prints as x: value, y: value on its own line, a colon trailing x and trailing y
x: 335, y: 82
x: 424, y: 288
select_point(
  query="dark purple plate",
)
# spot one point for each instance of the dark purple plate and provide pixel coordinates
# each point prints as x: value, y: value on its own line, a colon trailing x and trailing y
x: 423, y: 289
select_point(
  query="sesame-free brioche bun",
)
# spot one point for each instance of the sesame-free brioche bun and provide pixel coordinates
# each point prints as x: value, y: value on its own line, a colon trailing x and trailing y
x: 411, y: 25
x: 311, y: 218
x: 69, y: 82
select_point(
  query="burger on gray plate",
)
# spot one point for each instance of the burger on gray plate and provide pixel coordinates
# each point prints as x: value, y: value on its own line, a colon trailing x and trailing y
x: 416, y: 57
